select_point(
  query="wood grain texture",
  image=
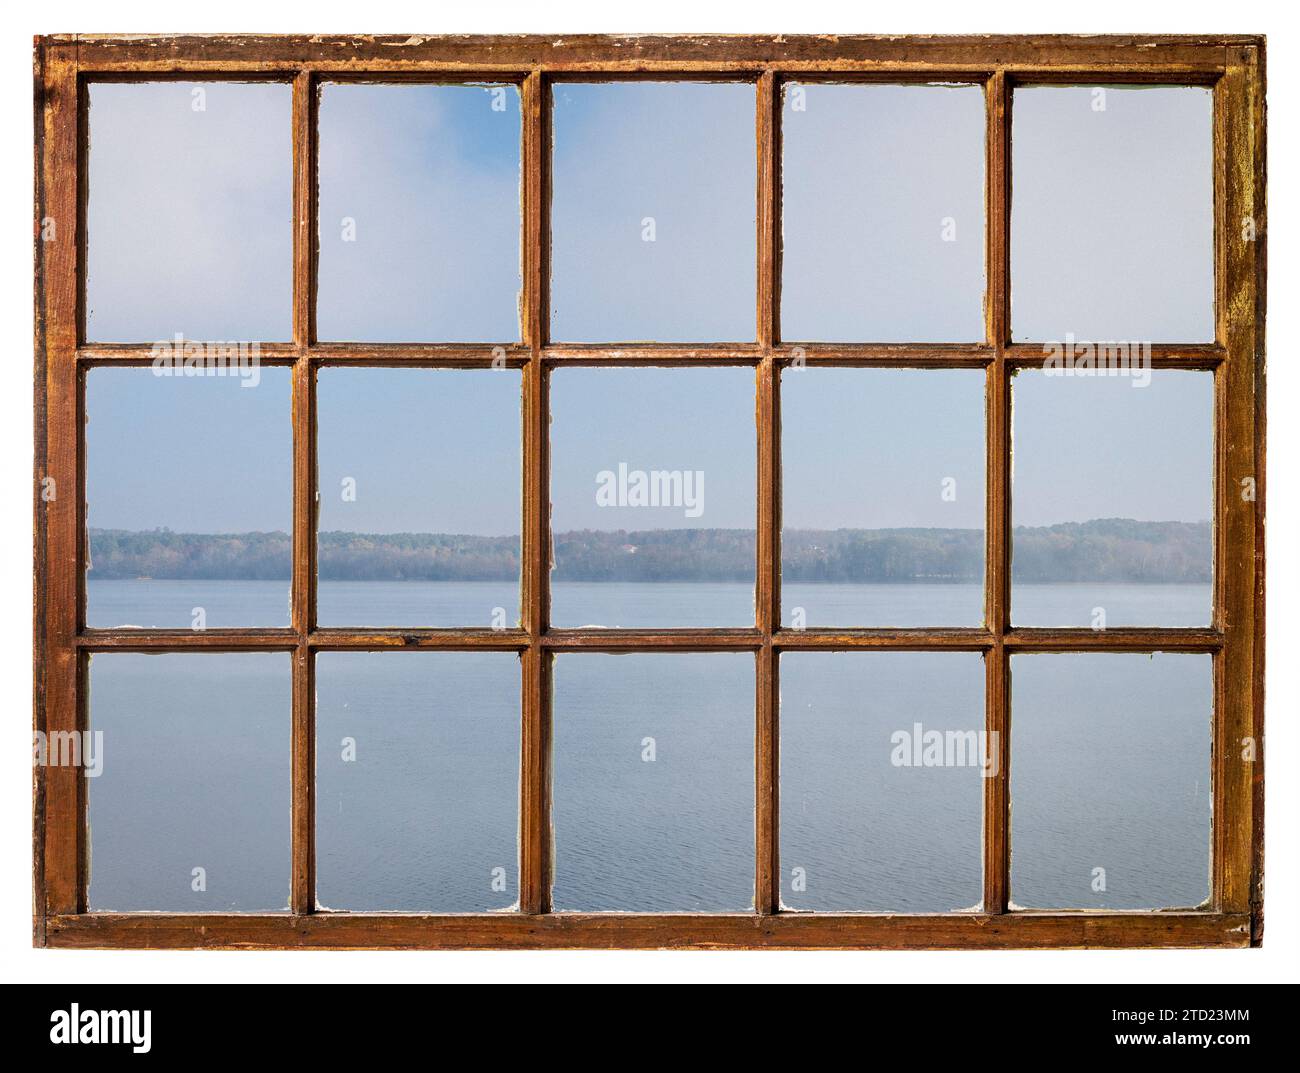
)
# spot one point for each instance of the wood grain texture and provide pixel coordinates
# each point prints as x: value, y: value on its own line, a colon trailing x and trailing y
x: 997, y: 460
x: 1131, y: 55
x: 788, y: 931
x: 535, y: 838
x: 62, y: 666
x: 1239, y: 547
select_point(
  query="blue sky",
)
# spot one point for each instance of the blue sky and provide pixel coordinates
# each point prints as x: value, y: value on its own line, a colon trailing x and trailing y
x: 872, y: 176
x: 1111, y: 239
x: 429, y: 176
x: 683, y: 155
x: 189, y: 212
x: 1112, y: 214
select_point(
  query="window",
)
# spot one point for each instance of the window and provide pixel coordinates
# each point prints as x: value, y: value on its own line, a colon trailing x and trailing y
x: 736, y: 492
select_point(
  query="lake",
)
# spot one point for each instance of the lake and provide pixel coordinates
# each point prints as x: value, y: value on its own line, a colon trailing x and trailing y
x: 173, y: 604
x: 417, y: 765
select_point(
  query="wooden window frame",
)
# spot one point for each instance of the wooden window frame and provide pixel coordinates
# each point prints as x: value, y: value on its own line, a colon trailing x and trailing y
x: 1232, y: 65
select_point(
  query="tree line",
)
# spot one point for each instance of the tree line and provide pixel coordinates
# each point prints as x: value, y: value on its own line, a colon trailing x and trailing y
x: 1106, y: 549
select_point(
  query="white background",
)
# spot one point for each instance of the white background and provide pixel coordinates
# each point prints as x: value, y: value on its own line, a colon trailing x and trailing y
x: 1279, y: 958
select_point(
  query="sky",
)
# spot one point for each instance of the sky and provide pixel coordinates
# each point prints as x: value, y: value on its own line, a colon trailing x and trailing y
x: 419, y: 214
x: 429, y: 450
x: 682, y: 156
x: 882, y: 213
x: 1112, y: 214
x: 189, y: 212
x: 873, y: 448
x: 1111, y: 239
x: 1100, y: 447
x: 191, y: 454
x: 689, y: 420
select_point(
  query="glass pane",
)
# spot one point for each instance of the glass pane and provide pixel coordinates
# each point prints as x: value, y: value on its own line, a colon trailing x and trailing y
x: 637, y: 542
x: 189, y: 497
x: 1110, y: 780
x: 420, y: 496
x: 1112, y: 216
x: 417, y: 781
x: 654, y: 783
x: 883, y: 759
x: 1112, y: 492
x: 189, y: 217
x: 882, y: 202
x: 189, y: 810
x: 882, y: 504
x: 653, y: 219
x: 419, y: 213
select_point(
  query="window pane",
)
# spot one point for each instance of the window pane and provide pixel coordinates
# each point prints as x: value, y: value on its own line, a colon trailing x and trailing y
x: 1112, y: 496
x: 417, y: 781
x: 189, y: 217
x: 882, y: 195
x: 419, y: 213
x: 654, y: 783
x: 653, y: 212
x: 637, y: 541
x: 189, y: 498
x: 882, y: 762
x: 189, y: 812
x: 419, y: 497
x: 882, y: 504
x: 1112, y: 216
x: 1110, y: 780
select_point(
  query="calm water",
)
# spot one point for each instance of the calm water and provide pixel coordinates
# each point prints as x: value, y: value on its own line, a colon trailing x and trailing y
x: 417, y: 765
x: 174, y: 604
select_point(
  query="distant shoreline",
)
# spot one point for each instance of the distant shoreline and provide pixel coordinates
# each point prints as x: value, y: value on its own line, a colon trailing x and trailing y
x: 1110, y: 549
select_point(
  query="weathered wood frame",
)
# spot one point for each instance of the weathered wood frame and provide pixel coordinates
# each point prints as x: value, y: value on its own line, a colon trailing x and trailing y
x: 1233, y: 66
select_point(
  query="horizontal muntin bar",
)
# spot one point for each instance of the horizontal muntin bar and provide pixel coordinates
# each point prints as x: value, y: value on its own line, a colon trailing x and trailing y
x: 652, y: 353
x: 516, y: 355
x: 333, y: 639
x: 126, y: 639
x: 598, y: 639
x: 974, y: 639
x: 335, y: 930
x: 142, y: 354
x: 1163, y: 355
x: 378, y: 70
x: 953, y: 355
x: 436, y: 355
x: 1114, y: 639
